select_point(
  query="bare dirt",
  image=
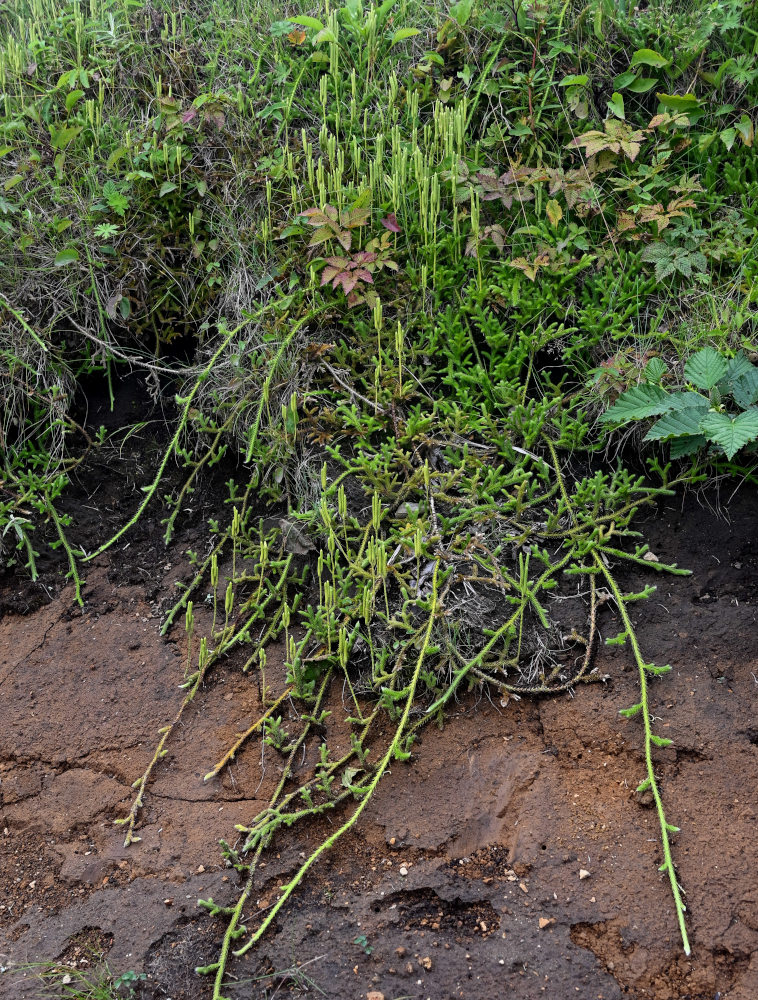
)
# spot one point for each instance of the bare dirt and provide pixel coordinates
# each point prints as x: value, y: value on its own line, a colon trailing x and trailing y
x: 463, y: 879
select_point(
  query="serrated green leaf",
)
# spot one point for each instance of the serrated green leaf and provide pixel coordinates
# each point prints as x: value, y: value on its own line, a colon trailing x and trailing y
x: 731, y: 433
x: 745, y: 388
x: 638, y: 402
x: 676, y: 424
x: 706, y: 368
x: 727, y: 136
x: 686, y: 445
x: 655, y: 369
x: 687, y: 400
x: 738, y: 366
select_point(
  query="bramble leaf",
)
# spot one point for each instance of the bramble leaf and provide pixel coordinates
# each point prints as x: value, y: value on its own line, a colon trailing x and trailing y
x: 705, y: 368
x: 676, y: 424
x: 731, y: 433
x: 638, y: 402
x: 745, y: 388
x: 686, y: 445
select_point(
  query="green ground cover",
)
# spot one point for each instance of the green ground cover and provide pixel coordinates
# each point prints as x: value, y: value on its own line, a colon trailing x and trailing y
x: 419, y: 276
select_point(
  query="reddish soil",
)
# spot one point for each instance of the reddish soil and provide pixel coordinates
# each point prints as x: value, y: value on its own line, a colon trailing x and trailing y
x: 463, y: 877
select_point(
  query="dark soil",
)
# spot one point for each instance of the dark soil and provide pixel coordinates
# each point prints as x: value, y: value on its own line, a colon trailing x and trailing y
x: 463, y: 877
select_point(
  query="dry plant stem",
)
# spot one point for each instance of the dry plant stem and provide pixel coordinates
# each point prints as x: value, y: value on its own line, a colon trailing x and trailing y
x: 32, y: 333
x: 474, y: 663
x: 273, y: 364
x: 230, y: 754
x: 652, y: 783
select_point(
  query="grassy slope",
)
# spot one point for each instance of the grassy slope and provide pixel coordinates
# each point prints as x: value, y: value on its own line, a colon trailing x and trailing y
x: 416, y: 252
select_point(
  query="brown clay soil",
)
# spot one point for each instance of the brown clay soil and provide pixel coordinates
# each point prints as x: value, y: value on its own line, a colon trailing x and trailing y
x: 463, y: 879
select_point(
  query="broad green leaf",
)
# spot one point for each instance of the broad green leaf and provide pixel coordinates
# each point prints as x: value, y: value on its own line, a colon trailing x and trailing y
x: 745, y: 389
x: 325, y: 35
x: 649, y: 57
x: 747, y: 132
x: 687, y: 400
x: 655, y: 369
x: 574, y: 81
x: 675, y: 424
x: 642, y: 84
x: 731, y: 433
x: 727, y: 136
x: 616, y: 106
x: 679, y: 102
x: 384, y: 9
x: 166, y: 188
x: 62, y: 137
x: 115, y: 157
x: 403, y: 33
x: 68, y: 256
x: 307, y: 22
x: 554, y: 212
x: 738, y: 366
x: 686, y: 445
x: 706, y: 368
x: 638, y: 402
x: 461, y: 11
x: 72, y: 98
x: 621, y: 81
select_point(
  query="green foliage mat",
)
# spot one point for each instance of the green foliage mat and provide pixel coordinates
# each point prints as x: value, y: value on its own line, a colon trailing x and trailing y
x: 415, y: 252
